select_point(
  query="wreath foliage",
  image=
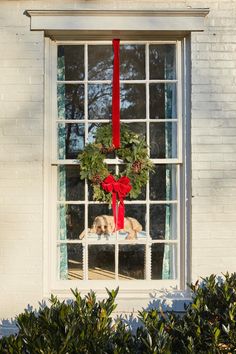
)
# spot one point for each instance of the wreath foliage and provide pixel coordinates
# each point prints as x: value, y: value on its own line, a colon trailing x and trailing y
x: 133, y: 154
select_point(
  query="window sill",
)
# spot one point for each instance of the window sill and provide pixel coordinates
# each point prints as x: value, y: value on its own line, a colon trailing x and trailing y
x: 133, y: 299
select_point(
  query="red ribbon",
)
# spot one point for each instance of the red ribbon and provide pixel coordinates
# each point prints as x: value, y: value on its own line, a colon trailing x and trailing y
x: 118, y: 189
x: 116, y: 95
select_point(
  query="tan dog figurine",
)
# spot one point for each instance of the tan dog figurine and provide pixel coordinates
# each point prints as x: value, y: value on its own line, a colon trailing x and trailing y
x: 104, y: 225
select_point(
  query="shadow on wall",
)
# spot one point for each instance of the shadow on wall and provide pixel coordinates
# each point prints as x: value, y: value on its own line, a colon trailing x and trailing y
x: 8, y: 327
x: 163, y: 300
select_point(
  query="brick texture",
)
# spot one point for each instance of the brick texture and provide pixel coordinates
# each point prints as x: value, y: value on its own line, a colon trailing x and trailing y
x: 213, y: 136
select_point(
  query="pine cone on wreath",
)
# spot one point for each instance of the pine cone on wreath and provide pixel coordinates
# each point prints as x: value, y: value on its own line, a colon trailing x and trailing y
x: 136, y: 166
x: 96, y: 179
x: 105, y: 150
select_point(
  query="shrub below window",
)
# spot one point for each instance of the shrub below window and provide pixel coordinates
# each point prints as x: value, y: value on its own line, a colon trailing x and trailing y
x: 85, y: 325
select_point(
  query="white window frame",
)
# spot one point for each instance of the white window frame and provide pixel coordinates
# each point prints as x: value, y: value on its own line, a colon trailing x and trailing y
x: 126, y: 287
x: 164, y: 24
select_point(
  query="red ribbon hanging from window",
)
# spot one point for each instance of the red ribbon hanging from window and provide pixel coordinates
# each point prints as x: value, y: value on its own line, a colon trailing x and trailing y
x: 119, y: 190
x: 116, y: 95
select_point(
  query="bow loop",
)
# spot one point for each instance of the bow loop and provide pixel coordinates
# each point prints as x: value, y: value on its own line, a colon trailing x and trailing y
x: 119, y: 188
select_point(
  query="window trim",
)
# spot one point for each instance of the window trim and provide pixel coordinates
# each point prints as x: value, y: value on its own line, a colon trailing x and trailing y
x: 171, y: 24
x: 62, y: 288
x: 53, y: 22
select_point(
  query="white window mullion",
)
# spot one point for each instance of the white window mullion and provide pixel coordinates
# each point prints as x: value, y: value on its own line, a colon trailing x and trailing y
x: 85, y: 243
x: 122, y: 120
x: 54, y: 169
x: 179, y: 101
x: 136, y: 201
x: 180, y: 155
x: 148, y: 240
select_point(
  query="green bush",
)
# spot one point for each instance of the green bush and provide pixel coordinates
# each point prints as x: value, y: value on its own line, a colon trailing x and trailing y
x: 85, y: 325
x: 207, y: 327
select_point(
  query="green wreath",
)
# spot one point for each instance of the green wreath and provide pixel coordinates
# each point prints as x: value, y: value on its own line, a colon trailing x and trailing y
x: 134, y: 155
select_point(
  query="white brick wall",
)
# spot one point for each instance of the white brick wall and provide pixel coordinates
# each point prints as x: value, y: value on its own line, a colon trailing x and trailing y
x: 21, y: 143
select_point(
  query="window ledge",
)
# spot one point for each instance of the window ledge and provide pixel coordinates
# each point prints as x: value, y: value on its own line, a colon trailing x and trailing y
x: 134, y: 301
x: 120, y: 23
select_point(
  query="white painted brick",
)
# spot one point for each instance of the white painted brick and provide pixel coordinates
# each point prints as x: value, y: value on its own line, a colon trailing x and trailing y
x: 210, y: 175
x: 21, y: 63
x: 215, y: 157
x: 203, y: 140
x: 214, y: 148
x: 21, y: 142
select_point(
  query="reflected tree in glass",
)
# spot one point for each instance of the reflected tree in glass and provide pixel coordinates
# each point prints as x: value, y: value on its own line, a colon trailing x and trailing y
x: 70, y: 62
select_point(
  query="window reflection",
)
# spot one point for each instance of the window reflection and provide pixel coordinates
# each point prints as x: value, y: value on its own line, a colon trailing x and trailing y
x: 70, y: 62
x: 133, y: 101
x: 71, y: 261
x: 163, y: 221
x: 100, y: 62
x: 99, y: 101
x: 162, y: 101
x: 70, y: 101
x: 70, y: 140
x: 71, y: 221
x: 132, y: 62
x: 164, y: 259
x: 101, y: 262
x: 136, y: 223
x: 163, y: 140
x: 163, y: 183
x: 131, y: 262
x: 162, y: 61
x: 70, y: 185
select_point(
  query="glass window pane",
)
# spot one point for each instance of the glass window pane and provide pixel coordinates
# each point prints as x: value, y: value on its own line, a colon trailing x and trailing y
x: 70, y: 62
x: 99, y: 101
x: 70, y: 261
x: 132, y: 101
x: 100, y: 222
x: 135, y: 223
x: 163, y: 183
x: 70, y: 186
x: 92, y: 128
x: 70, y: 140
x: 70, y: 101
x: 100, y: 62
x: 71, y: 221
x: 101, y: 262
x: 132, y: 62
x: 163, y: 140
x: 162, y: 61
x: 164, y: 261
x: 137, y: 127
x: 131, y: 262
x: 163, y: 101
x: 163, y: 221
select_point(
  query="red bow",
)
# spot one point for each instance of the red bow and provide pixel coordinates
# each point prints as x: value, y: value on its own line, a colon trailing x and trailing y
x: 118, y: 188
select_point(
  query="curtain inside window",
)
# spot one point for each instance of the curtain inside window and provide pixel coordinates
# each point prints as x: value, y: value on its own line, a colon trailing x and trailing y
x: 170, y: 135
x: 62, y: 174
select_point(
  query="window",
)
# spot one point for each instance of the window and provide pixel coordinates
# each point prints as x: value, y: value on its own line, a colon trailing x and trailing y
x: 151, y: 104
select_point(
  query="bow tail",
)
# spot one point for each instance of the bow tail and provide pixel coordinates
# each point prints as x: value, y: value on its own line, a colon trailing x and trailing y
x: 121, y: 215
x: 114, y: 209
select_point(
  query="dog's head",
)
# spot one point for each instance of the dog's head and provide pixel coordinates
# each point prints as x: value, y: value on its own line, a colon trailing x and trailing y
x: 102, y: 225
